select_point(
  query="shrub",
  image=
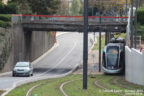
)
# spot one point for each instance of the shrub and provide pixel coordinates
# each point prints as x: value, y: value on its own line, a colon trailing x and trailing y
x: 140, y: 31
x: 6, y: 18
x: 140, y: 16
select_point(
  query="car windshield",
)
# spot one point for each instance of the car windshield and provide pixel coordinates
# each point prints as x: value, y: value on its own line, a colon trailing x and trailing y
x: 112, y: 56
x: 22, y: 64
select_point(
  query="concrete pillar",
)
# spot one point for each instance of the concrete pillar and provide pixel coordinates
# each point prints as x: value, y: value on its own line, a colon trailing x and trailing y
x: 19, y: 43
x: 28, y: 37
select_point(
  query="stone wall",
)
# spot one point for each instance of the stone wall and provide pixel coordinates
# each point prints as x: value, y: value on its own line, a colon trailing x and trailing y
x: 5, y: 46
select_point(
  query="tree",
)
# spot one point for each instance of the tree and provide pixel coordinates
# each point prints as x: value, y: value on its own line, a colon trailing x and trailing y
x: 75, y: 7
x: 22, y: 5
x: 44, y: 6
x: 9, y: 8
x: 105, y: 6
x: 64, y: 7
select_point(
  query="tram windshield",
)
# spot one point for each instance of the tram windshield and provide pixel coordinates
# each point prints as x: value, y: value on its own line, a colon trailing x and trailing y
x: 112, y: 56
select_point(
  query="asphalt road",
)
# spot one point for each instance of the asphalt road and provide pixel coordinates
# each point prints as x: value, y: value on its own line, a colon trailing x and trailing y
x: 64, y: 58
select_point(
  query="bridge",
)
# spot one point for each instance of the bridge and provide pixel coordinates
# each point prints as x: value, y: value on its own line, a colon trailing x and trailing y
x: 25, y: 25
x: 69, y: 23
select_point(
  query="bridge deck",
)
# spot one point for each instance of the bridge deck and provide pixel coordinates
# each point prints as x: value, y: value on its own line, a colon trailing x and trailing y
x: 74, y: 26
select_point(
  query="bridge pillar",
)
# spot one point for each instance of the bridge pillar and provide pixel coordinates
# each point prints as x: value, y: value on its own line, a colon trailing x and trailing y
x: 21, y: 43
x: 27, y: 37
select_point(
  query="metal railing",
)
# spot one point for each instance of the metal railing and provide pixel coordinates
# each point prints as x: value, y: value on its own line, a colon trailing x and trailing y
x: 21, y: 18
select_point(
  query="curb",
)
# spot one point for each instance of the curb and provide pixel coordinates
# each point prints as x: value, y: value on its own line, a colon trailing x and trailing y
x: 5, y: 73
x: 45, y: 54
x: 61, y: 33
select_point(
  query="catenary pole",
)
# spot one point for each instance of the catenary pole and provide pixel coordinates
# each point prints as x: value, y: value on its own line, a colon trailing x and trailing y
x: 126, y: 7
x: 100, y: 44
x: 136, y: 24
x: 85, y: 45
x: 131, y: 23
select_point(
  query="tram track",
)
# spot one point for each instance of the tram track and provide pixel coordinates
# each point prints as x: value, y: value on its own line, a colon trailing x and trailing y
x: 97, y: 83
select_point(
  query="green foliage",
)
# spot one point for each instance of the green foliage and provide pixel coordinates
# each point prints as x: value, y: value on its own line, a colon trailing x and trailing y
x: 4, y: 24
x: 5, y: 20
x: 23, y: 7
x: 140, y: 30
x: 140, y: 16
x: 96, y: 86
x: 44, y: 6
x: 96, y: 46
x: 34, y: 6
x: 10, y: 8
x: 76, y: 8
x: 5, y: 17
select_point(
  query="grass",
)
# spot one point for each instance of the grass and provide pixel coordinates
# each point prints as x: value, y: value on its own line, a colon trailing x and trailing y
x: 122, y: 35
x: 96, y: 46
x: 21, y: 90
x: 92, y: 90
x: 50, y: 87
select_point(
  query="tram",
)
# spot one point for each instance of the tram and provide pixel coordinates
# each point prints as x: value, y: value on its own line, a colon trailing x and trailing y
x: 113, y: 60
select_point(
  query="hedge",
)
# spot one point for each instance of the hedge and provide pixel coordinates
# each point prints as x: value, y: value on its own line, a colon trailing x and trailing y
x: 140, y: 16
x: 5, y: 17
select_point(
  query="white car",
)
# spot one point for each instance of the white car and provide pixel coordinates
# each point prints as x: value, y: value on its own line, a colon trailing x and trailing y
x: 22, y: 69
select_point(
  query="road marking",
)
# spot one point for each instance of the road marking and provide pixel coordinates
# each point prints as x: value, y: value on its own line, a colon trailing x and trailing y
x: 75, y: 43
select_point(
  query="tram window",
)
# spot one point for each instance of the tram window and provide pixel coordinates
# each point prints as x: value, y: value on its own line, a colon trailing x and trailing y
x: 112, y: 56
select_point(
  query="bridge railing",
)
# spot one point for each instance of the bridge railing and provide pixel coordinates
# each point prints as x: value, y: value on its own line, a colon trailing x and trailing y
x: 23, y: 18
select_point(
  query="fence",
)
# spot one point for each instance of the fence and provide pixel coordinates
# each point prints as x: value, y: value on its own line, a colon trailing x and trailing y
x: 20, y: 18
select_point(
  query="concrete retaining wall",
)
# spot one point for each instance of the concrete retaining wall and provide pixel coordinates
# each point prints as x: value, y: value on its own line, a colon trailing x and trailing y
x: 27, y: 45
x: 41, y: 42
x: 134, y: 66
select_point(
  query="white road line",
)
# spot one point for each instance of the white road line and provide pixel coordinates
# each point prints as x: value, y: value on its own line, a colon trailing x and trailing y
x: 75, y: 43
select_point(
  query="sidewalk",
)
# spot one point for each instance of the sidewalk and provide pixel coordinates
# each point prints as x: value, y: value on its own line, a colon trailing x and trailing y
x: 92, y: 68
